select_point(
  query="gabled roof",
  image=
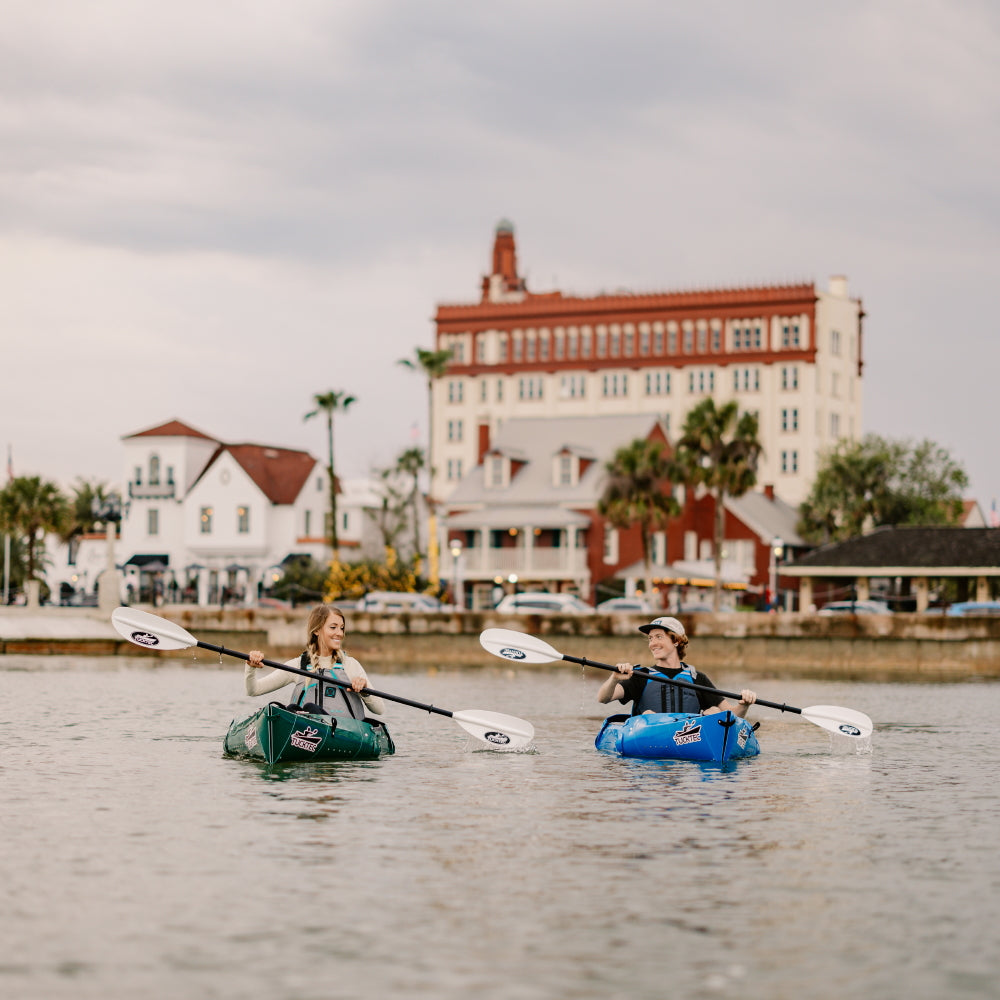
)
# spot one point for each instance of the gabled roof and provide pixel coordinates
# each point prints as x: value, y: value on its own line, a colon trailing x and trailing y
x: 906, y: 551
x: 768, y: 517
x: 279, y: 472
x: 172, y: 428
x: 538, y: 441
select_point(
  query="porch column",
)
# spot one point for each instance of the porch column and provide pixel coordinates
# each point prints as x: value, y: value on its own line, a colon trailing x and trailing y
x: 922, y: 589
x: 982, y: 589
x: 529, y: 548
x: 806, y: 593
x: 861, y: 586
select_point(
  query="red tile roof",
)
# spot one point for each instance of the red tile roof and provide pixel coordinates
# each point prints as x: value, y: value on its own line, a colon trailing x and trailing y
x: 279, y: 472
x: 172, y: 428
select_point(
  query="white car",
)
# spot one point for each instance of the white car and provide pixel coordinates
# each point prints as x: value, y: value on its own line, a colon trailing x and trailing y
x: 392, y: 600
x: 539, y: 603
x: 855, y: 608
x: 625, y: 605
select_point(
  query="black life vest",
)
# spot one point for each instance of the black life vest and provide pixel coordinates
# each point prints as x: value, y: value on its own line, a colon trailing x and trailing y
x: 335, y: 699
x: 659, y: 697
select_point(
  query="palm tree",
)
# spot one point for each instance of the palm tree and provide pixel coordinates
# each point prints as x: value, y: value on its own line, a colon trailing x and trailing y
x: 31, y: 508
x: 329, y: 403
x: 638, y: 491
x: 410, y: 463
x: 719, y: 449
x: 433, y: 364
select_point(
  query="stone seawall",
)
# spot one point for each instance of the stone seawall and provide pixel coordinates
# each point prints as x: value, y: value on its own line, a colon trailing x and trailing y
x: 906, y: 647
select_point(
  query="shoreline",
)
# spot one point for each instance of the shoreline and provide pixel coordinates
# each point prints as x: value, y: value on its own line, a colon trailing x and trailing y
x: 897, y: 647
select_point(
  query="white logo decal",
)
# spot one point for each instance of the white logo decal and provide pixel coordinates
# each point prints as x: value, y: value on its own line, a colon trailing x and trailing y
x: 250, y: 738
x: 850, y: 730
x: 743, y: 737
x: 691, y: 733
x: 502, y: 738
x: 306, y: 739
x: 145, y: 639
x: 512, y: 654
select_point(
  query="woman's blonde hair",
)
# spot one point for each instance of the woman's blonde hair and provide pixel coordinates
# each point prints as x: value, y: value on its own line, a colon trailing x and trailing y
x: 316, y: 620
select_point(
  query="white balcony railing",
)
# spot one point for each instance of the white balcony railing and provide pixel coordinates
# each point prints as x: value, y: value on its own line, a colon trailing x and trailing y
x: 487, y: 563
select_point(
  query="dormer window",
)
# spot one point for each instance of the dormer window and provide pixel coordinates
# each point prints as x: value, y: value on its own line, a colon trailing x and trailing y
x: 496, y: 468
x: 565, y: 471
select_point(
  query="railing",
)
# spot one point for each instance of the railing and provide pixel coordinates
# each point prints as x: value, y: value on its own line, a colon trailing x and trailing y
x: 151, y: 491
x: 487, y: 563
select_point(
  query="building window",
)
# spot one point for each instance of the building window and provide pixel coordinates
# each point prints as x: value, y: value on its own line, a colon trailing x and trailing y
x: 688, y: 340
x: 481, y: 348
x: 154, y: 470
x: 307, y: 526
x: 455, y: 430
x: 565, y: 475
x: 585, y: 342
x: 454, y: 468
x: 571, y: 342
x: 483, y: 391
x: 152, y: 522
x: 835, y: 425
x: 456, y: 391
x: 559, y: 347
x: 672, y: 340
x: 701, y: 381
x: 789, y: 333
x: 658, y: 341
x: 835, y: 342
x: 790, y: 419
x: 502, y: 347
x: 543, y: 345
x: 790, y: 377
x: 658, y: 383
x: 615, y: 384
x: 137, y: 477
x: 499, y: 390
x: 702, y: 340
x: 790, y: 462
x: 243, y: 520
x: 529, y: 346
x: 644, y: 340
x: 602, y: 342
x: 494, y: 471
x: 529, y: 388
x: 716, y: 340
x: 206, y: 520
x: 517, y: 347
x: 610, y: 545
x: 572, y: 386
x: 746, y: 379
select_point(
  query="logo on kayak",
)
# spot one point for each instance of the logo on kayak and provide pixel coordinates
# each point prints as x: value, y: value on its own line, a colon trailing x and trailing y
x: 145, y: 639
x: 502, y: 738
x: 512, y: 654
x: 849, y: 730
x: 251, y: 738
x: 691, y: 733
x: 743, y: 737
x: 306, y: 739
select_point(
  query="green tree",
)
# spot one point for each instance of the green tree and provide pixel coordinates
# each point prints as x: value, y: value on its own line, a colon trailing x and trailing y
x: 30, y: 509
x: 638, y: 491
x: 878, y: 481
x: 410, y: 464
x: 719, y: 449
x: 433, y: 365
x: 329, y: 403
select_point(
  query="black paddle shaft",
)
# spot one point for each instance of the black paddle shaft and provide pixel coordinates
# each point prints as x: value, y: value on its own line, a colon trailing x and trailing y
x: 329, y: 680
x: 643, y: 672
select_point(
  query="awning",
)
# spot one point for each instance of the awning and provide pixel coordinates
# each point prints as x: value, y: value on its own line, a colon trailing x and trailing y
x: 492, y: 518
x: 145, y: 561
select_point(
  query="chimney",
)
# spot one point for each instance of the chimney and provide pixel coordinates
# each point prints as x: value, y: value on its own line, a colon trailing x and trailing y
x: 838, y: 285
x: 484, y: 442
x: 769, y: 490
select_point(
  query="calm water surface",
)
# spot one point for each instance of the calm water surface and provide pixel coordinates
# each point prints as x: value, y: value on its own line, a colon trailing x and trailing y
x: 137, y: 861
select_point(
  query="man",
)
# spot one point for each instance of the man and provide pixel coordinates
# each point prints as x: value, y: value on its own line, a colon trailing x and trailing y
x: 667, y: 644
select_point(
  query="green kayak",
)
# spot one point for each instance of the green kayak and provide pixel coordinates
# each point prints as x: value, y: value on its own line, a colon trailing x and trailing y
x: 274, y: 733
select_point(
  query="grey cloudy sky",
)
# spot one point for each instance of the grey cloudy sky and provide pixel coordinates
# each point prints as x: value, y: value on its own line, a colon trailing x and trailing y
x: 212, y: 211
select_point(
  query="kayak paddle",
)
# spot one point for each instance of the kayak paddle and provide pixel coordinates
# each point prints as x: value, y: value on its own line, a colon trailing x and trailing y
x: 498, y: 731
x: 511, y: 645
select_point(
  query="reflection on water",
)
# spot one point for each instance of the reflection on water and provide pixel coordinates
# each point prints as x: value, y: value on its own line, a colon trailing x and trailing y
x: 138, y: 859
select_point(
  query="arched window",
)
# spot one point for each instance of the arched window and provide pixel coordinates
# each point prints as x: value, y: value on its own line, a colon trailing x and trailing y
x: 154, y: 470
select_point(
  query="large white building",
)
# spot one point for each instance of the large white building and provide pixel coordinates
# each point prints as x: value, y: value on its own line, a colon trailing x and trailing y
x: 791, y: 353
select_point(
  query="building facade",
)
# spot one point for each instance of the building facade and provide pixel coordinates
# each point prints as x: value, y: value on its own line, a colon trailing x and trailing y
x: 790, y: 353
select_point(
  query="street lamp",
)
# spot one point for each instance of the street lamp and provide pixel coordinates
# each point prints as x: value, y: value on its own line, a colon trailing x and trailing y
x: 777, y: 550
x: 456, y: 588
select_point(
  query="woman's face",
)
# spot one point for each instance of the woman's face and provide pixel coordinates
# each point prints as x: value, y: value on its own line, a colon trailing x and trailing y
x: 330, y: 635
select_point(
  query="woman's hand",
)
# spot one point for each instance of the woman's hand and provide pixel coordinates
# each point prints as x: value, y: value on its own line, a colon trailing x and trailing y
x: 359, y: 683
x: 255, y: 658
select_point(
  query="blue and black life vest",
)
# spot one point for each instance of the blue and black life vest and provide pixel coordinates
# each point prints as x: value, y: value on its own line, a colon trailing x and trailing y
x: 658, y: 697
x: 335, y: 699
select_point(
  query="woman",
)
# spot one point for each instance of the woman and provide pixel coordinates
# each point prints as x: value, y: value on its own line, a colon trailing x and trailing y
x: 668, y: 643
x: 324, y: 651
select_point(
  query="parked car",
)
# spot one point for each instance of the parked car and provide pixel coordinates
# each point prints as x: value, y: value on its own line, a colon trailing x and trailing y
x: 625, y: 605
x: 538, y: 602
x: 974, y: 608
x: 856, y: 608
x: 391, y: 600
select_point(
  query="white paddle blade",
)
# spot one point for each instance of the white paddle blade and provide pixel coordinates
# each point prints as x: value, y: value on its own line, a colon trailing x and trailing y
x: 149, y: 630
x: 502, y: 732
x: 844, y: 721
x: 517, y: 646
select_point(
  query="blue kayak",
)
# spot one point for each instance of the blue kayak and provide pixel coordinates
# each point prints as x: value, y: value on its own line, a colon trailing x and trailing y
x: 718, y: 736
